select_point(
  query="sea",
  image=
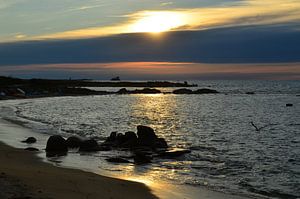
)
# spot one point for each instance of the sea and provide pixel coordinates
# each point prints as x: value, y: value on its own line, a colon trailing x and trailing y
x: 241, y: 144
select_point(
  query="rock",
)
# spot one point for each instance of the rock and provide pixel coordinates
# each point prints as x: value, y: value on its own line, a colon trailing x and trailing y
x: 141, y: 158
x: 123, y: 91
x: 89, y: 146
x: 112, y: 137
x: 130, y: 136
x: 130, y: 140
x: 74, y: 142
x: 146, y: 136
x: 199, y: 91
x: 289, y: 105
x: 120, y: 139
x: 146, y: 91
x: 173, y: 153
x: 183, y: 91
x: 30, y: 140
x: 56, y: 143
x: 117, y: 160
x: 250, y: 93
x: 139, y: 91
x: 161, y: 143
x: 205, y: 91
x: 31, y: 149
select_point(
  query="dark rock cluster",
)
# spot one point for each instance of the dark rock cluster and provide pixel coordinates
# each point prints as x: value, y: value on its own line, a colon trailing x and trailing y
x: 144, y: 146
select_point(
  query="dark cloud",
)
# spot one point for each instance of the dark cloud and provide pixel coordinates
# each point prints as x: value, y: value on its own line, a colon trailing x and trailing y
x: 244, y: 44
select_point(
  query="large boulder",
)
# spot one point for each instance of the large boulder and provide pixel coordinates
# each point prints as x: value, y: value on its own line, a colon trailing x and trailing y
x: 89, y: 146
x: 146, y: 136
x: 74, y: 142
x: 56, y: 143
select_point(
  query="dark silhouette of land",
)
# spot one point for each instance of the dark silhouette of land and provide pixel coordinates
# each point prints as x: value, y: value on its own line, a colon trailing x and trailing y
x: 11, y: 88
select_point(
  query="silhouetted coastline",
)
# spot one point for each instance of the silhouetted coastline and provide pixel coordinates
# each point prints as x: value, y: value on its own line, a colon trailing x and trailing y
x: 15, y: 88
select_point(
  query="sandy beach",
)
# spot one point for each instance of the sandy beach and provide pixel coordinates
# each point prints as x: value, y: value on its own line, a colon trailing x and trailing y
x: 24, y: 176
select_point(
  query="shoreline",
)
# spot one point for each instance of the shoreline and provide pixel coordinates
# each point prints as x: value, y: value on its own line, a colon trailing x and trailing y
x: 23, y: 172
x: 12, y: 133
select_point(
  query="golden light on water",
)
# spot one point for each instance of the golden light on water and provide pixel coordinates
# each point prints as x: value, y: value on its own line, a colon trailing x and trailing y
x: 157, y: 21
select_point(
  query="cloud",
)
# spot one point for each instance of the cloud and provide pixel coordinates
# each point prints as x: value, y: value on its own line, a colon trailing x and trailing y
x: 8, y: 3
x: 243, y: 44
x: 215, y: 14
x: 87, y: 7
x: 248, y: 12
x: 166, y: 3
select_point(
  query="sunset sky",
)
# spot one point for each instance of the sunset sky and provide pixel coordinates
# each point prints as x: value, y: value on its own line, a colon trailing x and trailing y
x: 150, y: 39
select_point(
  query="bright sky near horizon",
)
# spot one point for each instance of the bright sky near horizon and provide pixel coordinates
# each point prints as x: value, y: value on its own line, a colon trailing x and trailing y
x: 41, y: 19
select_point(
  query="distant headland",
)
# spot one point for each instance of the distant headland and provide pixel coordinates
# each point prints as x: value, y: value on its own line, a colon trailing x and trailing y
x: 15, y: 88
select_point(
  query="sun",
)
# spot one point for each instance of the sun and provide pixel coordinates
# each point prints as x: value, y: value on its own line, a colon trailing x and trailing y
x: 157, y: 21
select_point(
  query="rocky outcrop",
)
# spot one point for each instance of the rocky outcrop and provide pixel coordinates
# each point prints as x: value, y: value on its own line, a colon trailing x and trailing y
x: 199, y: 91
x: 139, y: 91
x: 143, y: 145
x: 145, y: 137
x: 205, y: 91
x: 183, y: 91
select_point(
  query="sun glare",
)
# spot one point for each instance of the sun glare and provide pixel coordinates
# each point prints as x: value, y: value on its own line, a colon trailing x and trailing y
x: 157, y: 22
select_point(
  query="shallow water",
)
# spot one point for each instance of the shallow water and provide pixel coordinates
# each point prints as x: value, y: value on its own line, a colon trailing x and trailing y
x: 228, y: 154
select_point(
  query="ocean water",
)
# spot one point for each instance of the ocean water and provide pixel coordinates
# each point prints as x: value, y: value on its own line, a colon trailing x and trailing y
x: 227, y: 153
